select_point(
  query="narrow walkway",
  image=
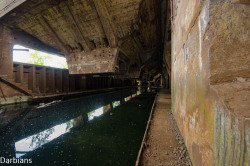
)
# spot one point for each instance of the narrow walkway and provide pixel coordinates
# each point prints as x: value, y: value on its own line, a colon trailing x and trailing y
x: 163, y: 143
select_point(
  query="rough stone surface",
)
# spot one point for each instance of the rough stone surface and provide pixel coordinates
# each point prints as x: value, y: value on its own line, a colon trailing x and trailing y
x: 229, y: 54
x: 101, y: 60
x: 209, y: 52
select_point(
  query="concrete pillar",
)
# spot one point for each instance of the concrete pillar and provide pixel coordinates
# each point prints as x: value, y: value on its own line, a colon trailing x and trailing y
x: 19, y: 77
x: 97, y: 83
x: 51, y: 80
x: 6, y: 56
x: 109, y: 82
x: 72, y: 83
x: 83, y: 83
x: 58, y: 80
x: 106, y: 82
x: 32, y: 78
x: 42, y: 80
x: 90, y: 82
x: 65, y: 75
x: 117, y: 83
x: 114, y: 82
x: 102, y: 82
x: 87, y: 82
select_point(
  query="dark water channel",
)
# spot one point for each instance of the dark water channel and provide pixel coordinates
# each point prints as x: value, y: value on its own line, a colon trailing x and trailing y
x: 105, y: 129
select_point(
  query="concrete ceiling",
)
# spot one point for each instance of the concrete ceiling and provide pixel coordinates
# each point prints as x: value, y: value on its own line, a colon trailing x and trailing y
x: 73, y: 26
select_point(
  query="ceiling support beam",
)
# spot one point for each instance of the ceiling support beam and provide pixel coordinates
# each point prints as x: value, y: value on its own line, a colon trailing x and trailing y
x: 86, y: 44
x: 45, y: 24
x: 27, y: 40
x: 106, y: 22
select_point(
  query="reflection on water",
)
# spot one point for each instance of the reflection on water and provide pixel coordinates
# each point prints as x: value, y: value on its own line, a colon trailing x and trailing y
x: 127, y: 98
x: 116, y: 103
x: 9, y: 112
x: 138, y: 92
x: 95, y: 113
x: 133, y: 95
x: 32, y: 136
x: 37, y: 140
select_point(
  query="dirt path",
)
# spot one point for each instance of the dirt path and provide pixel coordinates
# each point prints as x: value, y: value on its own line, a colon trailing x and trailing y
x: 163, y: 144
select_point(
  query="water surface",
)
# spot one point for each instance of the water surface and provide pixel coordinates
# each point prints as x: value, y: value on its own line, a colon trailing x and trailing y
x: 105, y: 129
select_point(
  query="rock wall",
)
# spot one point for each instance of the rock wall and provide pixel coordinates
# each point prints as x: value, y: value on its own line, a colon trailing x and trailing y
x: 210, y: 79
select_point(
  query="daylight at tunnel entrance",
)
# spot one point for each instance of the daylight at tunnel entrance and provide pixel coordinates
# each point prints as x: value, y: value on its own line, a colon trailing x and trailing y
x: 125, y: 82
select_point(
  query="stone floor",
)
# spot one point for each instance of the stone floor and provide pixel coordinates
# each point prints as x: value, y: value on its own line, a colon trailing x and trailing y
x: 163, y: 143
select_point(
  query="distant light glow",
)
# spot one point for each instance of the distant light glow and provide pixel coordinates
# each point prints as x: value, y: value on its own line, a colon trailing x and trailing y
x: 24, y: 57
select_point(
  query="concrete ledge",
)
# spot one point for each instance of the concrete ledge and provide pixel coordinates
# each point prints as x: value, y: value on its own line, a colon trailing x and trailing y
x: 61, y: 96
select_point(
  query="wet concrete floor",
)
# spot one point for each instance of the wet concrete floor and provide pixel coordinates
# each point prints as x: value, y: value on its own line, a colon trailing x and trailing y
x: 163, y: 143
